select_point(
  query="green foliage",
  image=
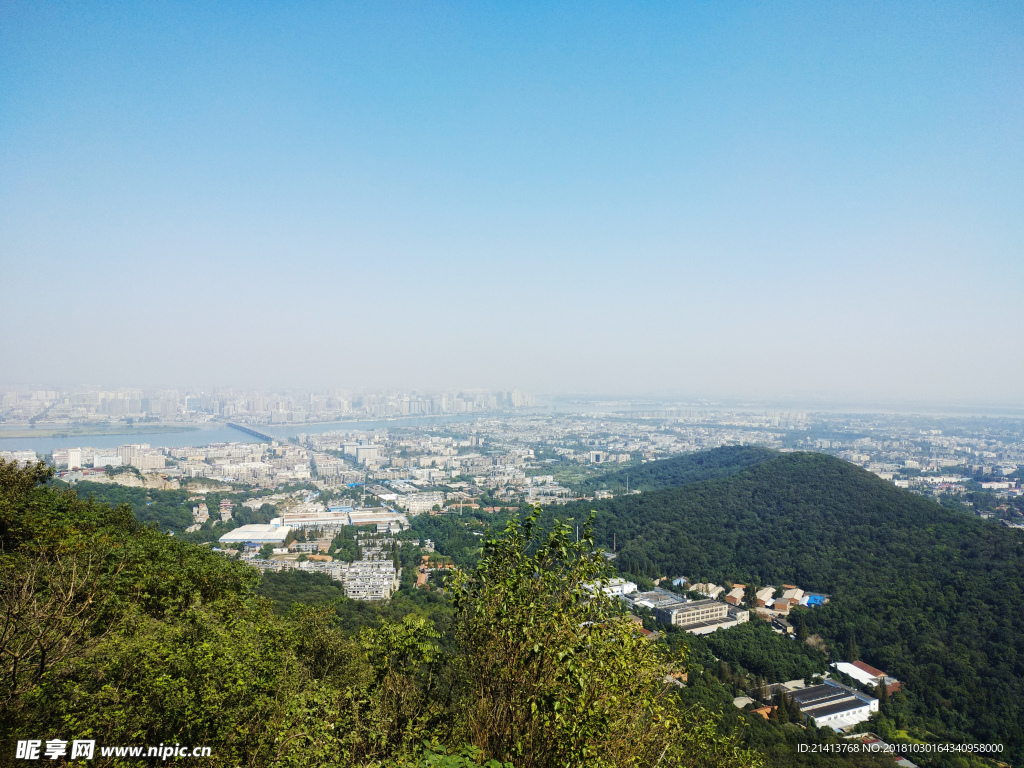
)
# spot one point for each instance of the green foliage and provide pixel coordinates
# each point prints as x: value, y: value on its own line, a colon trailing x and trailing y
x: 553, y: 675
x: 125, y: 469
x: 929, y: 594
x: 286, y: 588
x: 213, y: 678
x: 458, y: 536
x: 467, y: 757
x: 682, y: 470
x: 171, y: 509
x: 168, y: 509
x: 755, y: 649
x: 344, y: 546
x: 114, y: 630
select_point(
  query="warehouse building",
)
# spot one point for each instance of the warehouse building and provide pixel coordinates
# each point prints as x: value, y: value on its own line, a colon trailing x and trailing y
x: 257, y: 534
x: 834, y: 705
x: 867, y: 675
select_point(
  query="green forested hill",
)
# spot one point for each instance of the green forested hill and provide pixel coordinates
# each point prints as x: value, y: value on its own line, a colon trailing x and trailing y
x: 682, y: 470
x: 931, y: 595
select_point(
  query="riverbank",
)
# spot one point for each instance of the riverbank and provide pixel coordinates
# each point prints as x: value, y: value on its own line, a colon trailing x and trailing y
x: 89, y: 430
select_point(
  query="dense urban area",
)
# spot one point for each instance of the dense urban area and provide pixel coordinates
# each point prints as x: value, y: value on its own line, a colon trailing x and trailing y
x: 504, y: 449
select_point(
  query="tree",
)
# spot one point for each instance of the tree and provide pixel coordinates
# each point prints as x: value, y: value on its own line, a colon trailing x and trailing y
x: 553, y: 673
x: 266, y: 551
x: 884, y: 705
x: 852, y: 651
x: 795, y: 715
x: 750, y: 596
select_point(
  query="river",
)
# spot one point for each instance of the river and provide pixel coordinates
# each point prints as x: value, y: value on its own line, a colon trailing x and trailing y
x: 206, y: 434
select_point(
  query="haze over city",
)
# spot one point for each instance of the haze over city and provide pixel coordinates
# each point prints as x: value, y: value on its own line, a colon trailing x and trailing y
x: 720, y: 201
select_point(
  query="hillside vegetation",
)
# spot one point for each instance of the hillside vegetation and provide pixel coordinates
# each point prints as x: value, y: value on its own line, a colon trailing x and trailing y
x: 114, y: 631
x: 931, y: 595
x: 682, y: 470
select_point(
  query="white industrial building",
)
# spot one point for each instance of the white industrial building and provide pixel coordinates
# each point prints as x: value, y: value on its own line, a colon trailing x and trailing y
x: 867, y: 675
x: 613, y: 587
x: 257, y: 534
x: 698, y: 617
x: 315, y: 516
x: 834, y: 705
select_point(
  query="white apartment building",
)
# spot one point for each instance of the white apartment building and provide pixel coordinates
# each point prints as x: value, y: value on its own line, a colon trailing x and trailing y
x: 418, y: 503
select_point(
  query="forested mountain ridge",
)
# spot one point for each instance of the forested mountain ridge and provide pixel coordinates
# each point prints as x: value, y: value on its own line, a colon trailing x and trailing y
x: 932, y: 595
x: 683, y: 470
x: 799, y: 511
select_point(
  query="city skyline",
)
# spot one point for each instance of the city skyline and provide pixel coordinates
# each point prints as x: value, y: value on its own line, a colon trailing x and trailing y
x: 822, y: 401
x: 86, y: 408
x: 726, y: 202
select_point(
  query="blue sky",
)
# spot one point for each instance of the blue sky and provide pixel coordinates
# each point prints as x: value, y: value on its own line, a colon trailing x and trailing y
x: 719, y: 199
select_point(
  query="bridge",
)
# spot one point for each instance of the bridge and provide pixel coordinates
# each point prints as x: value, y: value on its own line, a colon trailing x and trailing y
x: 251, y: 431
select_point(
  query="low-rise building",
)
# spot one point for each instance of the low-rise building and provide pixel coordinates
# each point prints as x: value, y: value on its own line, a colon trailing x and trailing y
x: 709, y: 590
x: 315, y: 516
x: 257, y: 534
x: 701, y: 617
x: 781, y: 626
x: 655, y: 599
x: 613, y: 587
x: 834, y: 705
x: 200, y: 513
x: 100, y: 460
x: 783, y: 604
x: 418, y: 503
x: 21, y: 458
x: 685, y: 614
x: 867, y: 675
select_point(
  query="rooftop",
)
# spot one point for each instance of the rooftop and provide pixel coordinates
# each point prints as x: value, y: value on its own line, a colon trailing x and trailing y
x: 259, y: 534
x: 869, y: 669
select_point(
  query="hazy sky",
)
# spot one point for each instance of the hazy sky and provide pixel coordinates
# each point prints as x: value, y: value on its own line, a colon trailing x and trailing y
x: 728, y: 199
